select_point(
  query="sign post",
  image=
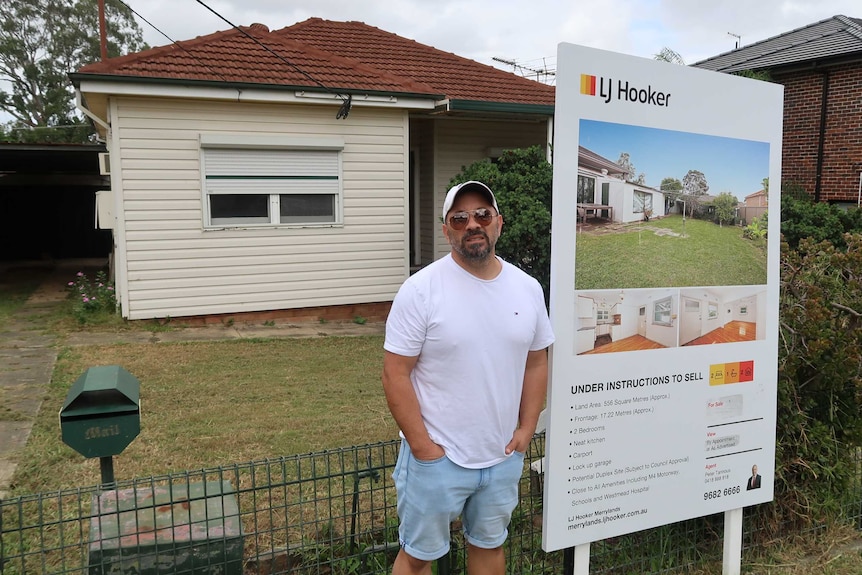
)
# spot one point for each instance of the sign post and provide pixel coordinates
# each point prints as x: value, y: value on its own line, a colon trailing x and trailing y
x: 662, y: 401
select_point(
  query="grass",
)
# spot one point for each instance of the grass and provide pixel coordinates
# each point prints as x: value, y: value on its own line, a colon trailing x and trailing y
x: 218, y: 403
x: 214, y: 403
x: 833, y: 551
x: 16, y: 285
x: 705, y: 255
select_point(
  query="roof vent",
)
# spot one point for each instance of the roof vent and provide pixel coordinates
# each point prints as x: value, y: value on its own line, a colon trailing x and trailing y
x: 257, y: 27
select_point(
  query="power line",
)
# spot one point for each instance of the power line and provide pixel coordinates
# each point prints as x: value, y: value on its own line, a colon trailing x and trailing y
x: 172, y: 41
x: 346, y: 102
x: 345, y: 106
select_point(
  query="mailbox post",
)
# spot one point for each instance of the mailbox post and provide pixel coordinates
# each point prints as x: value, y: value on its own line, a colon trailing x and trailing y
x: 101, y: 415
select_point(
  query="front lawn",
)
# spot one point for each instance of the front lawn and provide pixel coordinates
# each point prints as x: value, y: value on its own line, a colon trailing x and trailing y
x: 661, y: 253
x: 218, y: 403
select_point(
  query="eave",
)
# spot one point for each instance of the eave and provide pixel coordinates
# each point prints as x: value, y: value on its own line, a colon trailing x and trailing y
x: 110, y: 84
x: 495, y: 107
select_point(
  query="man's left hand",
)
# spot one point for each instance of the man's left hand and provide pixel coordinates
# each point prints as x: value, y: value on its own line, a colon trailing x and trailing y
x: 520, y: 441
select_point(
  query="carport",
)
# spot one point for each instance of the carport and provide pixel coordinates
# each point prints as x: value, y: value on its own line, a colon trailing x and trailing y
x: 48, y: 202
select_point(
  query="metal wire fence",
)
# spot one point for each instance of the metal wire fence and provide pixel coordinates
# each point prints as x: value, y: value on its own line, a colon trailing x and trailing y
x: 331, y: 512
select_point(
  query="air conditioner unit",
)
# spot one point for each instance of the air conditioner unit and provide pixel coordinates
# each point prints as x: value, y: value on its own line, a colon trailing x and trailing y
x: 104, y: 163
x: 104, y: 210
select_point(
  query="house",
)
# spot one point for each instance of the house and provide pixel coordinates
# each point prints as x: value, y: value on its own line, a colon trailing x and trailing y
x: 291, y: 173
x: 753, y: 206
x: 820, y: 66
x: 603, y: 191
x: 756, y: 200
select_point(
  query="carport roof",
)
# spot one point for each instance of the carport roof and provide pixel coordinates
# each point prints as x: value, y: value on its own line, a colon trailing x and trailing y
x: 29, y: 164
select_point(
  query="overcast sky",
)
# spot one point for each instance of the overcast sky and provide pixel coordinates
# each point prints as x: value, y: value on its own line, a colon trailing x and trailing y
x: 523, y: 31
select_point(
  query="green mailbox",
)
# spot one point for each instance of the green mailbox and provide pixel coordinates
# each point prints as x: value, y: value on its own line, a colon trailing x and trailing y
x: 101, y: 415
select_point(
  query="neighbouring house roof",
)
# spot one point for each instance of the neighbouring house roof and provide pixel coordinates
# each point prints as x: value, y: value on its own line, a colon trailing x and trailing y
x: 324, y: 55
x: 832, y: 40
x: 755, y: 195
x: 591, y: 160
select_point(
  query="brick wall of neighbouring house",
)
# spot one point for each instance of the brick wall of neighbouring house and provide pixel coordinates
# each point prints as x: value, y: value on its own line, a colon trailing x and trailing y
x: 842, y: 151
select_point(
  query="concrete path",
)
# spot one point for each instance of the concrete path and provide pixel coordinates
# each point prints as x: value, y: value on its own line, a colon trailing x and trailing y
x: 28, y: 352
x: 27, y: 356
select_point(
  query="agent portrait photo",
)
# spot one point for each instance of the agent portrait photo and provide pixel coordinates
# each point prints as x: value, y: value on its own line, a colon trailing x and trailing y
x: 754, y: 480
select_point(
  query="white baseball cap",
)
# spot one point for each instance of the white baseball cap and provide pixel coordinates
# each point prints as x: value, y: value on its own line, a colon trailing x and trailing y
x: 471, y: 186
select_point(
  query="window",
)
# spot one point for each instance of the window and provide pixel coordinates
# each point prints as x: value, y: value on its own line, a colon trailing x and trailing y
x: 602, y: 315
x: 661, y: 312
x: 743, y: 310
x: 264, y: 181
x: 586, y: 190
x: 642, y: 201
x: 712, y: 310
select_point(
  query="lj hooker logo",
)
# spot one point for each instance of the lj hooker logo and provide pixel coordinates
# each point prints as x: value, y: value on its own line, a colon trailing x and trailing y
x: 606, y: 88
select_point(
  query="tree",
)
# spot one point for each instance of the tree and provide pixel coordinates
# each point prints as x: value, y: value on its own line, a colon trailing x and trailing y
x: 725, y: 207
x: 765, y: 184
x: 670, y: 56
x: 672, y: 189
x: 695, y: 187
x: 625, y: 163
x: 41, y: 41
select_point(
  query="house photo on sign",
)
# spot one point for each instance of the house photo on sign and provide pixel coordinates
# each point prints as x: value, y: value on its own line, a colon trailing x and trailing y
x: 663, y: 394
x: 668, y: 200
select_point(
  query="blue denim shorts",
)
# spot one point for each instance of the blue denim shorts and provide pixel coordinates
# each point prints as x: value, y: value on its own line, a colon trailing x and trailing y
x: 432, y: 494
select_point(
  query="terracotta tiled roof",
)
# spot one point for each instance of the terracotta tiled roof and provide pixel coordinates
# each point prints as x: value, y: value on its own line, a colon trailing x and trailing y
x: 457, y: 77
x: 755, y: 195
x: 342, y: 56
x: 231, y: 56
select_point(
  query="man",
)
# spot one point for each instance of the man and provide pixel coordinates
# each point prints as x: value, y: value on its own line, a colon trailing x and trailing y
x: 465, y: 372
x: 754, y: 480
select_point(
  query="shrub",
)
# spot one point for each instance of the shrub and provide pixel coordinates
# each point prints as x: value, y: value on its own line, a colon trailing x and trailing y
x: 820, y: 376
x: 801, y: 217
x: 91, y: 299
x: 758, y: 227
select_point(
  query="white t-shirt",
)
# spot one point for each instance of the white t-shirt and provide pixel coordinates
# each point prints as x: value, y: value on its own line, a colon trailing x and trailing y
x: 471, y: 337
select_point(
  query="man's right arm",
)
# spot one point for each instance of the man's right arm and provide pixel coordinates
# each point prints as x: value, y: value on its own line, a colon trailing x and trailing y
x: 404, y: 406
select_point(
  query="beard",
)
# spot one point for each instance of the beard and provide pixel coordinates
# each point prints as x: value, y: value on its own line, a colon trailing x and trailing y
x: 477, y: 252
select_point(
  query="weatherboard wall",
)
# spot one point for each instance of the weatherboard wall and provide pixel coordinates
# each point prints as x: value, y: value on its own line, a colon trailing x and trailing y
x: 173, y: 267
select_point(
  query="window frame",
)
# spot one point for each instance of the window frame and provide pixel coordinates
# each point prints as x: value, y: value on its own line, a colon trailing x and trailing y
x: 669, y: 311
x: 586, y: 178
x: 239, y: 143
x: 646, y: 204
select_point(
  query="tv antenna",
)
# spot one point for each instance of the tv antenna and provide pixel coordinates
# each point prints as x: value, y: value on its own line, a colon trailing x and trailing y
x: 542, y: 74
x: 738, y: 38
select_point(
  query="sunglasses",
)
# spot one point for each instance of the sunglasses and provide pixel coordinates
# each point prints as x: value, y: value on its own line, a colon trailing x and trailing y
x: 459, y: 220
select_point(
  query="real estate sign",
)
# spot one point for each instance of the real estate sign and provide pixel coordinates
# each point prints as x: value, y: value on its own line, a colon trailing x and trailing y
x: 662, y: 401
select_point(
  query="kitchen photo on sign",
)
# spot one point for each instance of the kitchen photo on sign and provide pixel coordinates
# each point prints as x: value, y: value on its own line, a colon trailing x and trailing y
x: 609, y: 321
